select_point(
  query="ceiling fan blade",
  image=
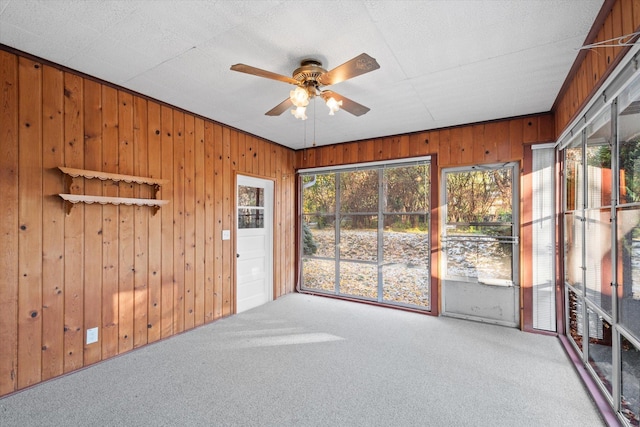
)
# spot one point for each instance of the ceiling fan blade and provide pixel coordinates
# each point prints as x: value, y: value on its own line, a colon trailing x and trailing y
x: 361, y: 64
x: 263, y: 73
x: 347, y: 104
x: 280, y: 108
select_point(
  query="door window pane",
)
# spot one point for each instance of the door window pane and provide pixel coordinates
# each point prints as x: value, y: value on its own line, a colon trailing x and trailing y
x: 250, y: 196
x: 250, y: 218
x: 479, y: 234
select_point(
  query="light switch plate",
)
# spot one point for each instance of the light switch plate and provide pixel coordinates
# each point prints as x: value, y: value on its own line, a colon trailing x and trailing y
x: 226, y: 234
x: 92, y: 335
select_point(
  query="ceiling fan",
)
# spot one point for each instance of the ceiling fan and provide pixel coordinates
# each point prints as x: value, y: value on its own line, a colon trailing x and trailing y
x: 309, y: 79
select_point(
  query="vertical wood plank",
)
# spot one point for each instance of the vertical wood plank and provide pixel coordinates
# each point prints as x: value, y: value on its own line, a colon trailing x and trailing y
x: 516, y: 135
x: 167, y: 223
x: 109, y: 332
x: 242, y: 152
x: 92, y: 220
x: 125, y: 225
x: 234, y: 149
x: 444, y: 158
x: 73, y: 229
x: 141, y: 224
x: 217, y: 215
x: 636, y: 14
x: 530, y: 130
x: 9, y: 227
x: 210, y: 302
x: 189, y: 222
x: 431, y: 140
x: 471, y: 143
x: 52, y: 223
x: 30, y: 223
x: 228, y: 191
x: 490, y: 146
x: 154, y: 156
x: 456, y: 146
x: 502, y: 142
x: 178, y: 222
x: 200, y: 223
x: 626, y: 7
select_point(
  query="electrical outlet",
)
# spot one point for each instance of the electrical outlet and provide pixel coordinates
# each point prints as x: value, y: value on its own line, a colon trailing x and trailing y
x: 92, y: 335
x: 226, y: 234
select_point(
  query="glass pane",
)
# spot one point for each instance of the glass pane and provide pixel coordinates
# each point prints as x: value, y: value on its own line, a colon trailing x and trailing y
x: 359, y: 279
x: 250, y: 196
x: 598, y: 152
x: 479, y: 196
x: 319, y: 194
x: 598, y: 258
x: 318, y: 274
x: 629, y: 144
x: 573, y: 175
x: 359, y: 237
x: 404, y: 244
x: 359, y: 191
x: 600, y: 350
x: 573, y: 243
x: 406, y: 189
x: 575, y: 318
x: 250, y: 218
x: 414, y: 223
x: 630, y: 398
x: 629, y: 269
x: 318, y: 236
x: 483, y: 253
x: 406, y: 283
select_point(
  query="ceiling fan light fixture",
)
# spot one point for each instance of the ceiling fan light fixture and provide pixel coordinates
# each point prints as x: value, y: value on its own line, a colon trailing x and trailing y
x: 299, y: 97
x: 333, y: 105
x: 300, y: 112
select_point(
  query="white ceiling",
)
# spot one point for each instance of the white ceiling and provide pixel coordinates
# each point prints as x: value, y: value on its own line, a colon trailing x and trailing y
x: 443, y: 63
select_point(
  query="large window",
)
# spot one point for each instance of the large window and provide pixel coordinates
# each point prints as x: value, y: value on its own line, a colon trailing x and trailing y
x: 602, y: 248
x: 366, y: 233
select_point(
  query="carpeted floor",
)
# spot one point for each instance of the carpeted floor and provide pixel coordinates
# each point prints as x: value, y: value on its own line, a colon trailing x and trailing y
x: 313, y: 361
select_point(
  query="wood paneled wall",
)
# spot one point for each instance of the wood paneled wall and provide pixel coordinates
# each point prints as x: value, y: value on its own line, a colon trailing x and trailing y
x: 137, y: 276
x: 491, y: 142
x: 622, y: 18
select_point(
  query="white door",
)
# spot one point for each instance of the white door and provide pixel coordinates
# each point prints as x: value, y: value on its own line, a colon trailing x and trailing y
x: 254, y: 242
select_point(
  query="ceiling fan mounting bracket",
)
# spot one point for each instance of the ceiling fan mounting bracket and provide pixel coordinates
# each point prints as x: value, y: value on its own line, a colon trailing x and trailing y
x: 309, y: 72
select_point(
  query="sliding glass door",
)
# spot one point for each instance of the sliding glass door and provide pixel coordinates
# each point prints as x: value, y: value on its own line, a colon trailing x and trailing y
x: 366, y: 233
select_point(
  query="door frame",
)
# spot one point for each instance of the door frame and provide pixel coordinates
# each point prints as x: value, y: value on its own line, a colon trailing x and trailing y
x: 515, y: 260
x: 269, y: 220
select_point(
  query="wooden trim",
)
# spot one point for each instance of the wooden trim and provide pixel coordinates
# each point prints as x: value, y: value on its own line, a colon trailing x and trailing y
x: 73, y: 172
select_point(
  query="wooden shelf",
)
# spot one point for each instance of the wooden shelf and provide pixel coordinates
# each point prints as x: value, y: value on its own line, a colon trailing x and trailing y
x: 103, y: 176
x: 72, y: 199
